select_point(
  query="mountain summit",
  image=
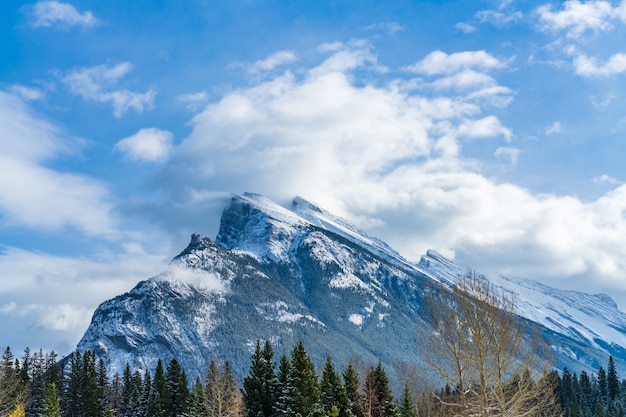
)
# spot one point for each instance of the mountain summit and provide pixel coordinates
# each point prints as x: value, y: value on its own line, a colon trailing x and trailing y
x: 302, y: 273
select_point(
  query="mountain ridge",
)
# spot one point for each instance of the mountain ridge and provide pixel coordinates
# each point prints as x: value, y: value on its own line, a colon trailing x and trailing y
x: 302, y: 273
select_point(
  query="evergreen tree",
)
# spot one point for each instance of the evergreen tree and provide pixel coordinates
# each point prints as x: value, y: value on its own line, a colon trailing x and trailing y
x: 259, y: 384
x: 72, y: 386
x: 333, y: 395
x: 602, y: 385
x: 37, y: 384
x: 51, y: 403
x: 352, y: 387
x: 284, y: 389
x: 379, y: 401
x: 159, y: 398
x: 177, y: 388
x: 306, y: 401
x: 612, y: 380
x: 12, y: 385
x: 406, y: 408
x: 144, y: 399
x: 197, y: 400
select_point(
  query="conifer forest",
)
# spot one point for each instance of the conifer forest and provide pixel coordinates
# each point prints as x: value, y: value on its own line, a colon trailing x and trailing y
x: 39, y: 385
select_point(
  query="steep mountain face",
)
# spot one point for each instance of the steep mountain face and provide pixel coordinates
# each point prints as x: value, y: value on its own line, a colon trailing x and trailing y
x: 284, y: 275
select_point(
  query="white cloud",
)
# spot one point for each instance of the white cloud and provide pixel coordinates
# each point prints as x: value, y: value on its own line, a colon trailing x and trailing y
x: 277, y: 59
x: 486, y: 127
x: 148, y: 145
x: 391, y: 28
x: 55, y: 296
x: 27, y: 93
x: 54, y: 13
x: 196, y: 277
x: 97, y: 84
x: 194, y: 101
x: 391, y: 159
x: 590, y: 67
x: 606, y: 179
x: 465, y: 79
x: 578, y: 18
x: 511, y: 154
x: 601, y: 103
x: 439, y: 62
x: 499, y: 18
x: 35, y: 196
x: 465, y: 27
x: 553, y: 129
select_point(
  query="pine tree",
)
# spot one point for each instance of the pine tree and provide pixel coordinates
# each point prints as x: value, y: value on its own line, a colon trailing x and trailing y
x: 144, y: 399
x: 332, y: 392
x: 284, y: 389
x: 406, y: 408
x: 379, y: 400
x: 352, y: 387
x: 177, y: 388
x: 197, y: 400
x: 306, y: 401
x: 72, y: 385
x: 12, y: 386
x: 159, y: 398
x: 259, y: 384
x: 602, y: 387
x: 612, y: 380
x: 51, y: 403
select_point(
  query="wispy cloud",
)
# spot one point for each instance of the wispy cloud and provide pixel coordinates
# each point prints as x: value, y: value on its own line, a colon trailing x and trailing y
x: 390, y: 27
x: 55, y: 296
x: 194, y: 101
x: 553, y: 129
x: 511, y: 154
x: 439, y: 62
x: 465, y: 27
x: 27, y: 93
x: 147, y: 145
x: 58, y: 14
x: 35, y: 196
x: 578, y: 19
x: 499, y: 18
x: 321, y: 132
x: 98, y: 84
x: 591, y: 67
x: 273, y: 61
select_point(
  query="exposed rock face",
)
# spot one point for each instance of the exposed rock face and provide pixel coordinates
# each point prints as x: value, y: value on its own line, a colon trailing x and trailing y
x: 284, y: 275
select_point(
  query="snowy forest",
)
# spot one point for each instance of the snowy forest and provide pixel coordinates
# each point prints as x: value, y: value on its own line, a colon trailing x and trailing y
x: 40, y: 385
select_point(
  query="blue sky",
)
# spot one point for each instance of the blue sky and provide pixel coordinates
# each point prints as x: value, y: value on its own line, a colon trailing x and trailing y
x: 491, y: 131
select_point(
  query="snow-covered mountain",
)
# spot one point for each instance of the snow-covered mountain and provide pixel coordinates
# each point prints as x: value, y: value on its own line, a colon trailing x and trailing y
x: 302, y: 273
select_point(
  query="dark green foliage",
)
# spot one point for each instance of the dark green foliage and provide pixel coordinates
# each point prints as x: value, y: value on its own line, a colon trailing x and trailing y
x: 177, y: 387
x: 306, y: 400
x: 406, y: 407
x: 352, y: 387
x: 612, y: 381
x: 51, y: 403
x: 291, y: 391
x: 259, y: 384
x: 333, y: 394
x: 159, y: 396
x: 379, y: 401
x: 197, y: 400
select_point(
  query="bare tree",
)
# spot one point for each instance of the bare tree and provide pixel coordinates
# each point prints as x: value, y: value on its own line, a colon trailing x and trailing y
x: 492, y: 360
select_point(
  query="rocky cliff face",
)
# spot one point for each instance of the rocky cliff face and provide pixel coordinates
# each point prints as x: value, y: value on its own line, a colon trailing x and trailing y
x: 302, y: 273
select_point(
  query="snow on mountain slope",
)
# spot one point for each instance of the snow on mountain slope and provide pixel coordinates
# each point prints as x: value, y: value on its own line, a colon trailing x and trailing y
x: 285, y: 274
x: 586, y: 318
